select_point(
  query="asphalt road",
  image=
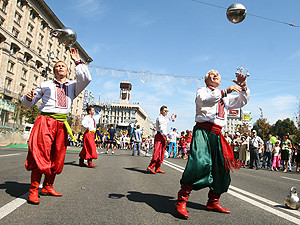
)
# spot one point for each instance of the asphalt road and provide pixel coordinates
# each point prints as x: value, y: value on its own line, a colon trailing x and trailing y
x: 120, y: 191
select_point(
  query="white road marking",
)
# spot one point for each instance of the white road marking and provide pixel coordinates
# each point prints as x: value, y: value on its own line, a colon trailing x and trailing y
x: 290, y: 178
x: 11, y: 206
x: 10, y: 155
x: 234, y: 191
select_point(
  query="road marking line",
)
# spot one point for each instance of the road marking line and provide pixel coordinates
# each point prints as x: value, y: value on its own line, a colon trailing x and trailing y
x: 274, y: 204
x: 174, y: 166
x: 10, y: 155
x: 251, y: 201
x: 266, y: 208
x: 13, y: 205
x: 290, y: 178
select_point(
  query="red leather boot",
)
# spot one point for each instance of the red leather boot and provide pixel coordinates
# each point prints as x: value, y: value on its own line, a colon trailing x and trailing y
x: 158, y: 169
x: 81, y: 162
x: 213, y: 203
x: 183, y: 197
x: 34, y: 187
x: 48, y: 186
x: 90, y: 163
x: 150, y: 168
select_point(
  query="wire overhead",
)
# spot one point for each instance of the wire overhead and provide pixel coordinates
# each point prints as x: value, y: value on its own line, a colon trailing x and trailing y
x: 261, y: 17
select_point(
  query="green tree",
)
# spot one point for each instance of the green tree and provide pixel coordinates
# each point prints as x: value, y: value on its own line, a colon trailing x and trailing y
x: 31, y: 114
x: 263, y: 127
x: 286, y: 126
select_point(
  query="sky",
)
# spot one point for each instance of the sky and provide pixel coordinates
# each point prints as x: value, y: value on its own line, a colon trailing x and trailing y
x: 165, y: 48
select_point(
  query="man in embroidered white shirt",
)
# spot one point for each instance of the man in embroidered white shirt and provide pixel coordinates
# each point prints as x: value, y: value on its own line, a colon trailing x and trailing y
x: 160, y: 140
x: 89, y: 150
x: 211, y: 157
x: 48, y: 139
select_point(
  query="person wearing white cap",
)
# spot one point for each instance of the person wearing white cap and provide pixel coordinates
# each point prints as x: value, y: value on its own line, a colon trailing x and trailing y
x: 256, y: 143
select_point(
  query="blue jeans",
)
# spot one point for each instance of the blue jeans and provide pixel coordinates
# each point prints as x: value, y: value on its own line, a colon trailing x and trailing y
x: 138, y: 144
x: 269, y: 162
x: 171, y: 145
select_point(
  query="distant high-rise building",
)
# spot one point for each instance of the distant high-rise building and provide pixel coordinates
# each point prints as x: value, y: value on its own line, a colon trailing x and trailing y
x: 125, y: 89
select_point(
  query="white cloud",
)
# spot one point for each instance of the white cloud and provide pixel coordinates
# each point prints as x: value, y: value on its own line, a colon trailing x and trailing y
x: 90, y: 8
x: 295, y: 55
x: 274, y: 108
x: 142, y: 20
x: 202, y: 58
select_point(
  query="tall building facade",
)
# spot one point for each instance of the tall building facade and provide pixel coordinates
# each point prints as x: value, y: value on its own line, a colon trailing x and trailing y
x: 28, y: 52
x: 237, y: 118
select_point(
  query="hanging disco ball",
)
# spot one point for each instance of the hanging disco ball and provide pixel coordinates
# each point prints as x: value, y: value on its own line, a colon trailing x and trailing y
x: 236, y: 13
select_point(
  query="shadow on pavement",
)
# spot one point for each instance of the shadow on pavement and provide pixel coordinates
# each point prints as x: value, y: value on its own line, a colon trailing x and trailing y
x: 160, y: 203
x: 137, y: 170
x: 15, y: 189
x: 73, y: 163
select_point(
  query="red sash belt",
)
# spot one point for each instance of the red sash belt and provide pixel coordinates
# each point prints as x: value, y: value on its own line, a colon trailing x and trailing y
x: 228, y: 155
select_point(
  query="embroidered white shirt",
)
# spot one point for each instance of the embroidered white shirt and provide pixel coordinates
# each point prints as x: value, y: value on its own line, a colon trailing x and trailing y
x: 57, y: 97
x: 89, y: 122
x: 162, y: 124
x: 212, y: 104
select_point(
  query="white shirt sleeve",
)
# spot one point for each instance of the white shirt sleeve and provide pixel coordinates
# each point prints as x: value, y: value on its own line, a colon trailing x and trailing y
x: 38, y: 96
x: 83, y: 78
x: 238, y: 101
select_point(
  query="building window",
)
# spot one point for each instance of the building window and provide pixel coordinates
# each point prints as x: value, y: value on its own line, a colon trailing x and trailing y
x: 50, y: 46
x: 18, y: 18
x: 3, y: 5
x: 15, y: 32
x: 35, y: 79
x: 30, y: 28
x: 1, y: 21
x: 27, y: 57
x: 28, y: 42
x: 33, y: 15
x: 20, y: 3
x: 43, y: 25
x: 38, y: 64
x: 41, y: 37
x: 39, y: 50
x: 14, y: 49
x: 22, y: 88
x: 8, y: 83
x: 24, y: 74
x: 10, y: 67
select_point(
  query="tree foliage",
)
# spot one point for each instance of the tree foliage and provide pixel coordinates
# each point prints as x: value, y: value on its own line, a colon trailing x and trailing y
x: 282, y: 127
x: 263, y: 127
x: 30, y: 113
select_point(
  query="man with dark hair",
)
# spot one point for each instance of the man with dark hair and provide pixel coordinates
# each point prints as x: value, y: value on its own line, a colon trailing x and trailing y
x: 267, y: 155
x: 137, y: 139
x: 211, y: 157
x: 160, y: 140
x: 111, y: 139
x: 47, y: 142
x: 89, y: 150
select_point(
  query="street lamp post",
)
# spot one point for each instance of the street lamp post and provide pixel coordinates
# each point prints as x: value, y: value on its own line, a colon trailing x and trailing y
x: 50, y: 55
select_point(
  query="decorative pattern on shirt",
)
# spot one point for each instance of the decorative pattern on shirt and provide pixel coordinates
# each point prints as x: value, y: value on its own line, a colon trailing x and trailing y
x: 61, y: 95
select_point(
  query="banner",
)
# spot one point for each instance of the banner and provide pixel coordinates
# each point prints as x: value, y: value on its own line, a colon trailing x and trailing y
x: 8, y: 106
x: 246, y: 117
x: 234, y: 112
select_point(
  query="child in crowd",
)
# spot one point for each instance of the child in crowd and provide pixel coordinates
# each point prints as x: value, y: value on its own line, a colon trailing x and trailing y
x: 243, y: 156
x: 276, y: 156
